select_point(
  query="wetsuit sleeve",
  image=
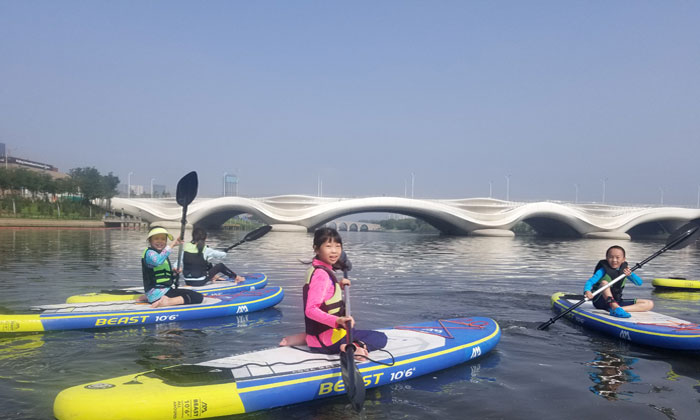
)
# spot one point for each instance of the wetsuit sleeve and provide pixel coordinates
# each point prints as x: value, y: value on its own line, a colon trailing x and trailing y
x: 154, y: 259
x: 593, y: 280
x: 213, y: 253
x: 319, y: 287
x: 635, y: 279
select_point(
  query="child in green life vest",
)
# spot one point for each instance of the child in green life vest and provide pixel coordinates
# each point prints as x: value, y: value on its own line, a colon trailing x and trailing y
x: 158, y: 275
x: 610, y: 299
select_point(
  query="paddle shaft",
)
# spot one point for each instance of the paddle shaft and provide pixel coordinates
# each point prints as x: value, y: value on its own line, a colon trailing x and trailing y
x: 354, y: 383
x: 186, y: 192
x: 180, y: 249
x: 251, y: 236
x: 620, y: 277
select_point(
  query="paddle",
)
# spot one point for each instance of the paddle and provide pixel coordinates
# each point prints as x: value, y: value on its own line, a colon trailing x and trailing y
x: 186, y: 192
x: 678, y: 239
x: 251, y: 236
x: 352, y: 379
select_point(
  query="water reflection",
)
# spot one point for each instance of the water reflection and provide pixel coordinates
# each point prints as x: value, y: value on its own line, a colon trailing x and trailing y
x: 397, y: 278
x: 611, y: 372
x: 676, y: 295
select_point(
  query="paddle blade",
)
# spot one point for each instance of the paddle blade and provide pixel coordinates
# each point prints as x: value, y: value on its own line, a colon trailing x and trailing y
x: 683, y: 236
x: 187, y: 189
x: 352, y: 379
x: 257, y: 233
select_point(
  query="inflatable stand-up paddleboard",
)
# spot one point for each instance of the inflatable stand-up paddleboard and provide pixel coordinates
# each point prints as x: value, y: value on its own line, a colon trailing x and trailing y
x: 646, y: 328
x: 252, y: 281
x: 274, y: 377
x: 68, y: 316
x: 676, y: 283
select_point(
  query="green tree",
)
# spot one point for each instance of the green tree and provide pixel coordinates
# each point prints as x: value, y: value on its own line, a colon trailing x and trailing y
x: 88, y: 181
x: 109, y: 186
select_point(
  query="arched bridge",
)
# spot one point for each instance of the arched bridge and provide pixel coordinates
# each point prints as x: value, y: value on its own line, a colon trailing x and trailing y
x: 474, y: 216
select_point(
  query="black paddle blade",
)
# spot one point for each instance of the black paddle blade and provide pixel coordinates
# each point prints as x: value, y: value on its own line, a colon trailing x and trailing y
x: 257, y: 233
x: 187, y: 189
x: 683, y: 236
x: 352, y: 379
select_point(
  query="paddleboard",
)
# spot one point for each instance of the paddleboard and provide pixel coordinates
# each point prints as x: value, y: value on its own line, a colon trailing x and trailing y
x: 646, y: 328
x: 274, y: 377
x: 67, y: 316
x: 252, y: 281
x: 676, y: 283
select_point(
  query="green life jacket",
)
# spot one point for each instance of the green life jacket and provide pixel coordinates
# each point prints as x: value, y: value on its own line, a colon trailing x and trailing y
x: 160, y: 276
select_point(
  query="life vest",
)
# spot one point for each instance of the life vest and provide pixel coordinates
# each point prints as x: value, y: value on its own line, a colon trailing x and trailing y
x: 193, y: 263
x: 334, y: 306
x: 610, y: 275
x: 160, y: 276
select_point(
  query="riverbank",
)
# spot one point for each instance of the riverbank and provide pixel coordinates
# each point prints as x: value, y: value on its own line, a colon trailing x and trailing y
x: 23, y: 222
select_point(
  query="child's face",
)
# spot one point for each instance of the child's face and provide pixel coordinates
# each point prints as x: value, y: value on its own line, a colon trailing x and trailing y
x: 159, y: 241
x: 615, y: 258
x: 329, y: 252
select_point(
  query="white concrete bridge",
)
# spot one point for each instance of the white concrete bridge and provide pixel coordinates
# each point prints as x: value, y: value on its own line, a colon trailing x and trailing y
x: 472, y: 216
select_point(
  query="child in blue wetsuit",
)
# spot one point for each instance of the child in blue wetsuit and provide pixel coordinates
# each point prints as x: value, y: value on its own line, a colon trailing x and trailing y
x: 610, y: 299
x: 158, y: 275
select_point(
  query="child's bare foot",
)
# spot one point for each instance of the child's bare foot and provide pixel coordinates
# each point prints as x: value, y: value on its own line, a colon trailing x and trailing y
x: 163, y: 301
x: 294, y: 340
x: 142, y: 298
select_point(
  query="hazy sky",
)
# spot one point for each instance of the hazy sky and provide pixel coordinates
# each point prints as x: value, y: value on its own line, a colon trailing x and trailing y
x: 362, y: 94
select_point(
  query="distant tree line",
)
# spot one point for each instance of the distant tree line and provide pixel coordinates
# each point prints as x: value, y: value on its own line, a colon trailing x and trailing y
x: 409, y: 223
x: 86, y: 183
x: 26, y: 193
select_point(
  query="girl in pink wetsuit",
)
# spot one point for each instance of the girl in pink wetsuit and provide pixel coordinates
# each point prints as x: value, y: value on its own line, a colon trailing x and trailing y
x: 324, y: 310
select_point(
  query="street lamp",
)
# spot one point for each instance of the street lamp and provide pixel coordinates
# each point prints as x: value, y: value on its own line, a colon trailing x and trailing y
x: 238, y: 172
x: 223, y: 185
x: 413, y: 183
x: 152, y: 179
x: 576, y: 196
x: 490, y: 189
x: 128, y: 189
x: 662, y: 195
x: 605, y: 180
x: 507, y: 187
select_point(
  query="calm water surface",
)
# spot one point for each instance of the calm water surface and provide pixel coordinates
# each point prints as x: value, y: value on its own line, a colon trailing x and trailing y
x: 564, y: 372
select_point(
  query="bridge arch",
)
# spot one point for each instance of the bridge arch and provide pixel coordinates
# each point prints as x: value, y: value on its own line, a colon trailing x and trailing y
x: 458, y: 217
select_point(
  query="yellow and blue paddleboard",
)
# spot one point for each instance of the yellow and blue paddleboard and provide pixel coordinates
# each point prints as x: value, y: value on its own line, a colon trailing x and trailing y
x: 67, y: 316
x: 274, y: 377
x: 252, y: 281
x: 646, y: 328
x: 676, y: 283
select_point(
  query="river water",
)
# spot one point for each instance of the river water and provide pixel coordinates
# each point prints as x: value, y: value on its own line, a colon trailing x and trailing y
x: 398, y: 278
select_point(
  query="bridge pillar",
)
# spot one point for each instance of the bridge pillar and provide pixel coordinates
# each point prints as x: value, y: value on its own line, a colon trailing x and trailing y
x: 607, y: 235
x: 493, y: 232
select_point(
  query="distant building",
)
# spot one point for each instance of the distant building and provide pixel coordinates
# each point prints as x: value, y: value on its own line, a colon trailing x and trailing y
x: 230, y: 185
x: 14, y: 162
